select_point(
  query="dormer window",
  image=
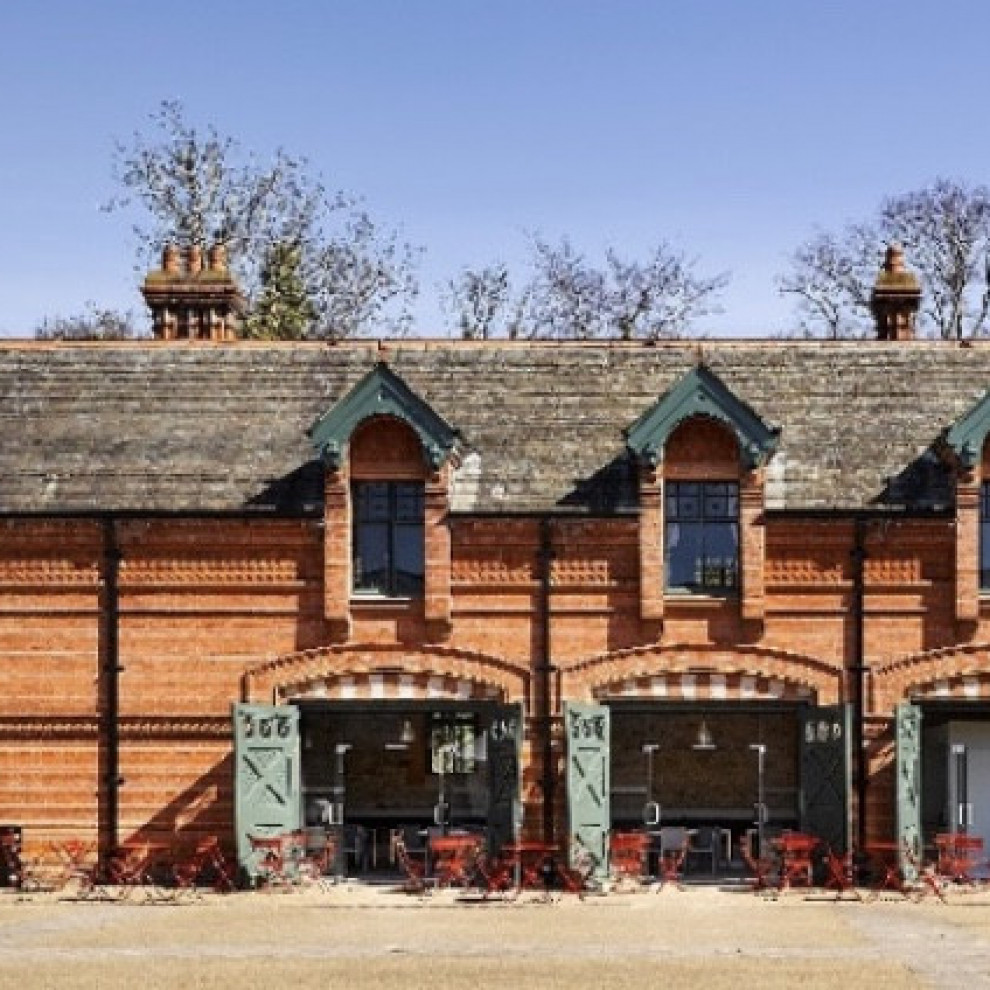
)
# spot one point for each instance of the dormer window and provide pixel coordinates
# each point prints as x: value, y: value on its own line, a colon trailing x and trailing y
x: 701, y: 539
x: 389, y: 552
x: 985, y: 536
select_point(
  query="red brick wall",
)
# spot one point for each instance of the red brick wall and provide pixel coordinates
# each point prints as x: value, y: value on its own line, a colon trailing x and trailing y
x: 203, y: 602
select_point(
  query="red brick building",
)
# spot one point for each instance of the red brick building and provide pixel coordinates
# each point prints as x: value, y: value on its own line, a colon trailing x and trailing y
x: 555, y: 585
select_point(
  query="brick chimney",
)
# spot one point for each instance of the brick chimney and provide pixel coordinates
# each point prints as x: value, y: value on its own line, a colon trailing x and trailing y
x: 895, y: 298
x: 190, y: 302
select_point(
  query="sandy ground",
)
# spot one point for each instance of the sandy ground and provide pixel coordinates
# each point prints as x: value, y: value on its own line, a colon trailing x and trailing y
x: 359, y: 937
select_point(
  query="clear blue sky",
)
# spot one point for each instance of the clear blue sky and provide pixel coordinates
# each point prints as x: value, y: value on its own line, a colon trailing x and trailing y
x: 731, y: 127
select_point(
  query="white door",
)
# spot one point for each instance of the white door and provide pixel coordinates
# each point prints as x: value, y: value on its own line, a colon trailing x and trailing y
x: 969, y: 779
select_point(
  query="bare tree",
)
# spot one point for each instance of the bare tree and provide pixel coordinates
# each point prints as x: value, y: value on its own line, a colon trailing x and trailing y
x: 944, y: 229
x: 96, y: 323
x: 945, y: 232
x: 660, y: 297
x: 193, y: 187
x: 478, y: 301
x: 832, y: 276
x: 567, y: 297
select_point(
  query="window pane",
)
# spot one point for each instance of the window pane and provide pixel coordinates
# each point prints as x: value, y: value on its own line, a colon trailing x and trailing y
x: 721, y: 555
x: 453, y: 744
x: 388, y: 537
x: 716, y: 502
x: 371, y: 559
x: 372, y: 501
x: 689, y: 501
x: 701, y: 537
x: 985, y: 536
x: 409, y: 559
x: 684, y: 550
x: 409, y: 503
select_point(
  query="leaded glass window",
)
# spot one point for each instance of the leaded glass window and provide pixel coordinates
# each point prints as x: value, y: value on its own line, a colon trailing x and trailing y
x: 389, y: 553
x: 701, y: 536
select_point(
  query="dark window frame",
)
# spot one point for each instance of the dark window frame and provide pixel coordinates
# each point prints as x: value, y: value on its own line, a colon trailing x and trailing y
x: 452, y: 743
x: 985, y: 537
x: 711, y: 510
x: 393, y: 527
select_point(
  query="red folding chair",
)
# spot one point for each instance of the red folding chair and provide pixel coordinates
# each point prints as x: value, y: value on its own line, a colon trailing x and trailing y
x: 840, y: 874
x: 413, y: 867
x: 628, y: 857
x: 673, y: 853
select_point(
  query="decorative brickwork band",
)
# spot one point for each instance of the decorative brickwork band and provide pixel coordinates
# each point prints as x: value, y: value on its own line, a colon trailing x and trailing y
x: 387, y: 672
x: 706, y: 687
x: 703, y: 672
x: 390, y: 686
x: 974, y: 686
x: 960, y: 672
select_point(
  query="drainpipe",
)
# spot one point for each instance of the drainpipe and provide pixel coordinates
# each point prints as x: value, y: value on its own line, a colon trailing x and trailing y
x: 544, y: 720
x: 111, y: 681
x: 858, y: 670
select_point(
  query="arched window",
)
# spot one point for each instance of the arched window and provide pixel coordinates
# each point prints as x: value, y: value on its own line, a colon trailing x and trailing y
x: 701, y: 509
x: 387, y: 499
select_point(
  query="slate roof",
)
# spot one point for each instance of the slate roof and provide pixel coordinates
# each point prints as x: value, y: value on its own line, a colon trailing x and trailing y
x: 157, y: 426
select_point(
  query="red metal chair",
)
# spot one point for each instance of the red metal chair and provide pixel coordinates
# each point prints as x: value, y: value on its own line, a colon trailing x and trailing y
x: 454, y: 858
x: 413, y: 867
x: 885, y: 869
x: 673, y: 853
x: 840, y: 874
x: 628, y: 857
x: 272, y: 863
x: 959, y: 856
x: 763, y: 868
x: 207, y: 863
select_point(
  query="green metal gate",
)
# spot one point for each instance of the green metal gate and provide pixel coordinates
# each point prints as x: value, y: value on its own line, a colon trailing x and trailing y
x: 505, y: 733
x: 825, y: 774
x: 908, y: 796
x: 267, y: 784
x: 588, y: 729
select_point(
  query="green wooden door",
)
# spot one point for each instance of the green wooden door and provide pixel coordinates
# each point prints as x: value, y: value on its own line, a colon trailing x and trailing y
x: 504, y: 807
x: 825, y: 774
x: 587, y: 727
x: 267, y: 797
x: 908, y: 797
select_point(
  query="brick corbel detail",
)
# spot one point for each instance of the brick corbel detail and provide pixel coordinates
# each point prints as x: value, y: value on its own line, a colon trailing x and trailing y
x: 968, y: 546
x: 650, y: 545
x: 752, y: 545
x: 337, y: 554
x: 437, y: 604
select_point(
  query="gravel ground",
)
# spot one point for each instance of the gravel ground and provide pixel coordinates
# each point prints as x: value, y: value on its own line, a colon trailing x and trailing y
x: 373, y: 937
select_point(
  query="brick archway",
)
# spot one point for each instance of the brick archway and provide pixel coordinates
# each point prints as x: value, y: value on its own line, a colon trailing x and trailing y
x: 961, y: 672
x: 700, y: 672
x: 375, y: 671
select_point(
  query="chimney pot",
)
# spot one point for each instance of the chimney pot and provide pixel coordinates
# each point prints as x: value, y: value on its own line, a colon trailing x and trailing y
x: 195, y: 259
x: 170, y: 259
x: 218, y: 257
x: 895, y: 298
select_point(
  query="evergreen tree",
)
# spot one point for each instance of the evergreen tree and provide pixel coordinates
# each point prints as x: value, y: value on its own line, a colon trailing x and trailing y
x: 284, y: 310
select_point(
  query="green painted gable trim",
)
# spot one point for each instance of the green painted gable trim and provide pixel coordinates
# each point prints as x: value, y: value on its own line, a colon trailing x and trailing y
x: 700, y: 393
x: 968, y: 434
x: 382, y: 393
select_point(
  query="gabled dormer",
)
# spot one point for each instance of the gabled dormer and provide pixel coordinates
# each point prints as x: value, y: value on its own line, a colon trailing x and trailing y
x: 701, y: 452
x: 966, y: 440
x: 382, y: 393
x: 389, y: 458
x: 701, y: 393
